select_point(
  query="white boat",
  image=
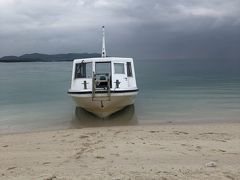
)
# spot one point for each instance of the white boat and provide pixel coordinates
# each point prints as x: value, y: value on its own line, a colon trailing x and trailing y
x: 103, y: 85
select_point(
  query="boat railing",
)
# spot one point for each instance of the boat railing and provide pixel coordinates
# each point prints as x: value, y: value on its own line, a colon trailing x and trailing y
x: 101, y: 87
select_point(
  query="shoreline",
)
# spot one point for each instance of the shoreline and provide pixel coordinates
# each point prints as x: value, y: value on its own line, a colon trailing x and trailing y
x: 170, y: 151
x: 117, y: 124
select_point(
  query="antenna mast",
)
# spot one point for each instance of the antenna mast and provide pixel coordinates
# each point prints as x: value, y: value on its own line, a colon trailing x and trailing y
x: 103, y: 43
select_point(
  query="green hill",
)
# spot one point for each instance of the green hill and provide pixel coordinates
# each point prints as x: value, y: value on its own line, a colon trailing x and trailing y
x: 36, y: 57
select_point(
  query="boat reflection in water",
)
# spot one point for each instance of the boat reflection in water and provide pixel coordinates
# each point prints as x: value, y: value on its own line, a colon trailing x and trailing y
x: 124, y: 117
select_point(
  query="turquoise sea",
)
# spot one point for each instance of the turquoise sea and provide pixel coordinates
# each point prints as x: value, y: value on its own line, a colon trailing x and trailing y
x: 33, y: 96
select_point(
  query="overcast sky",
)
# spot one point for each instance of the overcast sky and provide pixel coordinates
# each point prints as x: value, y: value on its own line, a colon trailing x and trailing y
x: 166, y: 29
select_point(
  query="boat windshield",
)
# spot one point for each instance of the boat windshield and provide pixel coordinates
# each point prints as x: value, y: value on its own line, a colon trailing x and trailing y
x: 83, y: 70
x: 129, y: 69
x: 103, y: 68
x: 119, y: 68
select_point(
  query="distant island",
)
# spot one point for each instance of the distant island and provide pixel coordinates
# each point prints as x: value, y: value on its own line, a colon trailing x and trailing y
x: 37, y: 57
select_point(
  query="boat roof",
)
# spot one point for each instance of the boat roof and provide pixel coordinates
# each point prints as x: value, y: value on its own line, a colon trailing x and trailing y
x: 104, y: 59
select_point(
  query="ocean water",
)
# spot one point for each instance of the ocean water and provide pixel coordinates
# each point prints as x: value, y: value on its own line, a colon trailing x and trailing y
x: 33, y: 96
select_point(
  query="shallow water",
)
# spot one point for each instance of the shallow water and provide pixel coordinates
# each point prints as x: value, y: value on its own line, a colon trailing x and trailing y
x: 33, y: 96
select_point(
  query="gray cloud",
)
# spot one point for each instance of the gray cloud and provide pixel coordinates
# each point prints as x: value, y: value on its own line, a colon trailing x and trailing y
x: 138, y: 28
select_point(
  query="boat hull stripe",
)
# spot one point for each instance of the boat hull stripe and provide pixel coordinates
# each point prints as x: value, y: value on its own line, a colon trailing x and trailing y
x: 90, y: 92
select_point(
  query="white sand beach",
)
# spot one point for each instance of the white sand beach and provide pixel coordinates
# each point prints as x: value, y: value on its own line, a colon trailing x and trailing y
x: 186, y: 151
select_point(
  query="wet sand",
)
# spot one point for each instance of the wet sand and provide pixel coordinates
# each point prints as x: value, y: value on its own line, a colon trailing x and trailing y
x: 186, y: 151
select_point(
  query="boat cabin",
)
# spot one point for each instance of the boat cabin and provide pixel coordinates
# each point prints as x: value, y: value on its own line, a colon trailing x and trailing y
x: 103, y: 74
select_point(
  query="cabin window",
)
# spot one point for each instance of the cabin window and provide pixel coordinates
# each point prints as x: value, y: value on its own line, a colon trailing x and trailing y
x: 103, y: 67
x: 119, y: 68
x: 129, y: 69
x: 83, y: 70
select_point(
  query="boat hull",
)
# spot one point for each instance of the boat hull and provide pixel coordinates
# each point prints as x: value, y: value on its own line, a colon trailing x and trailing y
x: 102, y: 107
